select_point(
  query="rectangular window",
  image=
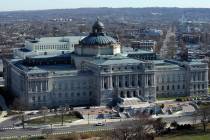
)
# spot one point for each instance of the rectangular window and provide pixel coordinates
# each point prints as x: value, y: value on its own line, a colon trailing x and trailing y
x: 203, y: 86
x: 39, y: 99
x: 33, y: 99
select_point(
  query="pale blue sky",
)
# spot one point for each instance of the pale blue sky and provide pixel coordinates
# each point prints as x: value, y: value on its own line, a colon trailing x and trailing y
x: 6, y: 5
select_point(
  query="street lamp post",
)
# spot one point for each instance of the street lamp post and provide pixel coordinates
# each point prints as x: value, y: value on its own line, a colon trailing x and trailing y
x: 62, y: 115
x: 88, y: 118
x: 23, y: 121
x: 51, y: 127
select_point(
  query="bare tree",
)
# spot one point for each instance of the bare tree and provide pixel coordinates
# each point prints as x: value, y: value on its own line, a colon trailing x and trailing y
x: 44, y: 110
x: 204, y: 113
x: 62, y: 115
x: 159, y: 126
x: 19, y: 105
x: 138, y: 129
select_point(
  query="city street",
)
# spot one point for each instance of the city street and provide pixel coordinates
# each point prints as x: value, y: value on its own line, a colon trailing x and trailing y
x: 165, y: 48
x: 85, y: 127
x: 8, y: 127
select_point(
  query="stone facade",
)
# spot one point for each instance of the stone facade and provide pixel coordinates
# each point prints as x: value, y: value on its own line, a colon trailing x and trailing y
x: 175, y: 78
x: 101, y: 77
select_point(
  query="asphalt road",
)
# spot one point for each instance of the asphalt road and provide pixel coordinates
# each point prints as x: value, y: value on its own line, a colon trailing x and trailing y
x: 78, y: 128
x: 82, y: 128
x: 164, y: 49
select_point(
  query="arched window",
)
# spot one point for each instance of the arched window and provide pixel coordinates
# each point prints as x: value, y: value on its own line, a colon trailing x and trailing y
x: 120, y: 84
x: 126, y: 84
x: 139, y: 83
x: 122, y: 94
x: 113, y: 84
x: 139, y: 92
x: 134, y: 94
x: 128, y: 94
x: 203, y: 86
x: 149, y: 82
x: 105, y: 86
x: 178, y: 86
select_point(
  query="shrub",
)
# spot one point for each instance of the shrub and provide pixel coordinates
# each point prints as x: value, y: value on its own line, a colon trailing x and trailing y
x: 37, y: 138
x: 174, y: 124
x: 149, y: 137
x: 184, y: 127
x: 73, y: 136
x: 85, y: 136
x: 162, y: 106
x: 167, y: 131
x: 78, y: 115
x: 179, y: 100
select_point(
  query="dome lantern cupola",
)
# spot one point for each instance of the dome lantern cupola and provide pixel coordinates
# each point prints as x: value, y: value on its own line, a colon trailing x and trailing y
x: 97, y: 36
x: 97, y: 43
x: 98, y: 27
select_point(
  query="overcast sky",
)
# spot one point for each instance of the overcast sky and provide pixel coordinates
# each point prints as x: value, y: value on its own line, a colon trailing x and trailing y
x: 8, y: 5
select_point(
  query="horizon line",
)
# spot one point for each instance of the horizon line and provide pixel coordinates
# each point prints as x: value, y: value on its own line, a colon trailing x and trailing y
x: 24, y: 10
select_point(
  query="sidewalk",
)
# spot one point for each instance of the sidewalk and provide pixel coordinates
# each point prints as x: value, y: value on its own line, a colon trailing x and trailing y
x: 2, y: 118
x: 164, y: 101
x: 177, y: 114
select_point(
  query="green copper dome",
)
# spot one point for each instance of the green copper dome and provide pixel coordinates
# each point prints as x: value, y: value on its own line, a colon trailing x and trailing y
x: 97, y: 37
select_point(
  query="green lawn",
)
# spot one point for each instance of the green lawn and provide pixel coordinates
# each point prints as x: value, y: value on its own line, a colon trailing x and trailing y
x: 11, y: 113
x: 166, y: 98
x: 195, y: 134
x: 186, y: 137
x: 170, y: 98
x: 53, y: 119
x: 209, y: 89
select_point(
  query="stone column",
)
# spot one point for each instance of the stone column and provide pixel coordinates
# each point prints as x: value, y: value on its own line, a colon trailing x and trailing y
x: 110, y: 82
x: 123, y: 81
x: 41, y: 86
x: 47, y: 88
x: 125, y: 94
x: 36, y: 86
x: 129, y: 80
x: 117, y: 81
x: 206, y: 76
x: 101, y: 82
x: 196, y: 76
x: 136, y: 80
x: 137, y: 93
x: 146, y: 84
x: 131, y: 94
x: 201, y: 76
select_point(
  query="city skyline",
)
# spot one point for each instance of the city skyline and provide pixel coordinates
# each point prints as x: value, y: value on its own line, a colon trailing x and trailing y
x: 12, y: 5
